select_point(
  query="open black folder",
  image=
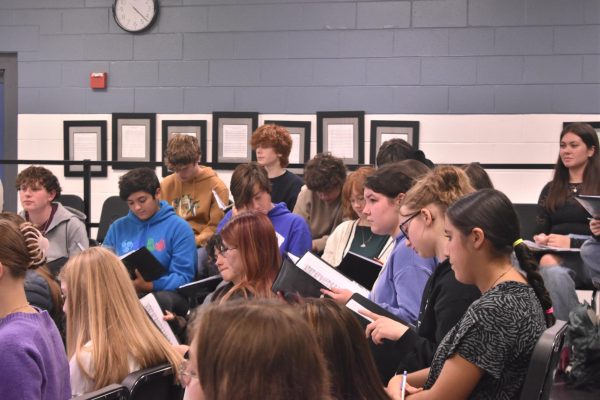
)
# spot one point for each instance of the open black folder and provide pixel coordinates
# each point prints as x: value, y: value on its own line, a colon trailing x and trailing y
x: 360, y: 269
x: 292, y: 280
x: 141, y: 259
x: 590, y: 203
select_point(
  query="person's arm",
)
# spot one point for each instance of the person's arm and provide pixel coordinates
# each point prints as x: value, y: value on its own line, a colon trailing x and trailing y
x: 542, y: 219
x: 110, y: 241
x: 20, y: 374
x: 77, y: 237
x: 595, y: 227
x: 184, y: 257
x: 334, y: 247
x: 216, y: 214
x: 299, y: 239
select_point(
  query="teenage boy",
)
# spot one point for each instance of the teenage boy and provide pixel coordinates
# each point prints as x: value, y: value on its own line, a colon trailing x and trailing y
x: 273, y: 145
x: 251, y: 191
x: 190, y: 188
x: 320, y: 200
x: 154, y: 224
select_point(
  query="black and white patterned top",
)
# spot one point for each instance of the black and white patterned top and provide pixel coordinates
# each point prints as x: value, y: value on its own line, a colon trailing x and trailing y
x: 497, y: 334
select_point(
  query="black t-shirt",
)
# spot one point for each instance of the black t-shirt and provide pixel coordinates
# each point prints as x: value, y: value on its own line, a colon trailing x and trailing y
x: 285, y: 188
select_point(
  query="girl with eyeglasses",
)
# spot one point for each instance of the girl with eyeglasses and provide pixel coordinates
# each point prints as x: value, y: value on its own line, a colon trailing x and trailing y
x: 248, y: 258
x: 487, y: 353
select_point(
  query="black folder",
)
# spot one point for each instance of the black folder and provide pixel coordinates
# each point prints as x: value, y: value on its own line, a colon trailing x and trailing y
x: 206, y: 285
x: 360, y: 269
x: 291, y: 280
x: 590, y: 203
x: 142, y: 259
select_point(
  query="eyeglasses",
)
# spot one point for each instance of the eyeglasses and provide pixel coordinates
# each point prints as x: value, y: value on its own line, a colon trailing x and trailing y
x: 404, y: 225
x: 185, y: 375
x: 223, y: 250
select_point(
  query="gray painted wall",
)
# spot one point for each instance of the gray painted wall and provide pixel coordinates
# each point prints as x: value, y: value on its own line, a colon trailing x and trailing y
x: 300, y: 56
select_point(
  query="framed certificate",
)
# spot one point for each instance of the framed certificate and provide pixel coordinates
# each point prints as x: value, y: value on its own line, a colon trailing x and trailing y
x: 231, y: 138
x: 195, y: 128
x: 342, y: 133
x: 382, y: 131
x: 84, y: 140
x: 134, y: 139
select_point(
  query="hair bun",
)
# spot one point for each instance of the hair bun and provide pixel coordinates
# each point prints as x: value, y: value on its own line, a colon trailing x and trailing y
x: 37, y: 244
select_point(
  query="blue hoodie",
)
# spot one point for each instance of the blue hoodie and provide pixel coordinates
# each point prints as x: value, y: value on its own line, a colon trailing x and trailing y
x: 293, y: 233
x: 168, y: 237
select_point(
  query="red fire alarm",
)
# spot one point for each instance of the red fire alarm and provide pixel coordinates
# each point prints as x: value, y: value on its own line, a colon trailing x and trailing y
x: 98, y: 80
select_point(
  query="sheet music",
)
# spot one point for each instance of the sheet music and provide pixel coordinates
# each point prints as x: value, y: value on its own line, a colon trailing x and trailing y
x: 340, y: 140
x: 154, y: 311
x: 235, y: 141
x: 540, y: 247
x: 328, y: 276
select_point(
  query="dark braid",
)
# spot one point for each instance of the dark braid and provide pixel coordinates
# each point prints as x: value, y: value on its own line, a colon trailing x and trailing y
x: 530, y: 266
x: 492, y: 212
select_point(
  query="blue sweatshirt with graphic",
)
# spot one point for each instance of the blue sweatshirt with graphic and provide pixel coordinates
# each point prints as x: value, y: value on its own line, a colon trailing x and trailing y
x: 293, y: 233
x: 168, y: 237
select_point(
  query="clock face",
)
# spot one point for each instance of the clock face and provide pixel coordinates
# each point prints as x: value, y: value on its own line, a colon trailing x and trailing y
x: 135, y: 15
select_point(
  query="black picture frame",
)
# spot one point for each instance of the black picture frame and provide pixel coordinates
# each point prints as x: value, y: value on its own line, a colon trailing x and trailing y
x: 302, y: 128
x: 382, y: 131
x: 327, y: 119
x: 173, y: 127
x: 133, y: 120
x: 225, y: 155
x: 73, y: 130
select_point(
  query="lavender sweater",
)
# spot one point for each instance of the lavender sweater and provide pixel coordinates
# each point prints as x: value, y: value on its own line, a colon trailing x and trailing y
x: 34, y: 363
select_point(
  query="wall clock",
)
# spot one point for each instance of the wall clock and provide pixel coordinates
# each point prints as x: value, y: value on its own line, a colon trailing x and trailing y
x: 135, y: 15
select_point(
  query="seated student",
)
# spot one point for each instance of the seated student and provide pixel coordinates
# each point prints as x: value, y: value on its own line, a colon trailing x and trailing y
x: 41, y: 288
x: 590, y: 253
x: 1, y: 196
x: 255, y: 350
x: 320, y: 200
x: 247, y: 258
x: 34, y: 364
x: 349, y: 360
x: 190, y: 188
x: 355, y: 234
x: 251, y: 191
x: 395, y: 150
x: 109, y: 334
x: 154, y: 224
x: 273, y: 145
x: 487, y: 353
x: 477, y: 176
x: 445, y: 300
x: 400, y: 284
x: 63, y: 226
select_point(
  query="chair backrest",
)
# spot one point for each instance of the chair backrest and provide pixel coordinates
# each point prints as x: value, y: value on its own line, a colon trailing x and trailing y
x: 156, y: 383
x: 527, y: 214
x: 110, y: 392
x: 113, y: 208
x: 73, y: 201
x: 544, y: 360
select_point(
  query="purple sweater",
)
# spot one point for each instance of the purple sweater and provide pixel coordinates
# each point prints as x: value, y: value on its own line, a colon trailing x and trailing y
x: 34, y: 363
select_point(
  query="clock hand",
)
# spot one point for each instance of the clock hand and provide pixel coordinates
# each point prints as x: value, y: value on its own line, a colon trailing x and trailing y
x: 138, y: 11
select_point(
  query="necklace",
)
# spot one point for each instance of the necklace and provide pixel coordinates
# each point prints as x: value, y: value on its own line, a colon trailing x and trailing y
x: 365, y: 243
x: 14, y: 310
x: 498, y: 278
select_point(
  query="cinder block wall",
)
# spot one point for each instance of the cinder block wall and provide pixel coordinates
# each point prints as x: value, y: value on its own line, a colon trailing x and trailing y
x: 300, y: 56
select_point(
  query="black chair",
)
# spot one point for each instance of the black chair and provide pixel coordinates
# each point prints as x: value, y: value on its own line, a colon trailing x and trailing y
x: 113, y: 208
x: 156, y: 383
x: 110, y: 392
x: 73, y: 201
x: 527, y: 214
x: 540, y: 374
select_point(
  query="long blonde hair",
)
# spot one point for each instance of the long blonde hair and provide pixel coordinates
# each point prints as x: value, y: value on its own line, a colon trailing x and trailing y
x: 102, y: 307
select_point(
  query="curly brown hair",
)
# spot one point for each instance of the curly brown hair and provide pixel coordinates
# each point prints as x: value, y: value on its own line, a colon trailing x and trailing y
x: 275, y: 136
x: 324, y: 172
x: 33, y: 176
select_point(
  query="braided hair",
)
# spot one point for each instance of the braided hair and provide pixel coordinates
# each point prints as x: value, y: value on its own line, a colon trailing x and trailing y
x: 491, y: 211
x: 22, y: 247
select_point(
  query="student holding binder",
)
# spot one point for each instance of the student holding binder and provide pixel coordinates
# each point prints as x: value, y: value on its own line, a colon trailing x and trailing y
x: 445, y: 299
x: 487, y: 353
x: 109, y: 334
x: 399, y: 287
x: 355, y: 234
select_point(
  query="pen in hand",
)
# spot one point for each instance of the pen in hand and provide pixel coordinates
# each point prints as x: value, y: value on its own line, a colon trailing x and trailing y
x: 403, y: 387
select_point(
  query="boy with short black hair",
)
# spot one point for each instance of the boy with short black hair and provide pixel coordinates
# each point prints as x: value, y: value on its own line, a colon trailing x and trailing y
x: 251, y: 191
x: 153, y: 223
x: 273, y: 145
x: 320, y: 200
x: 190, y: 188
